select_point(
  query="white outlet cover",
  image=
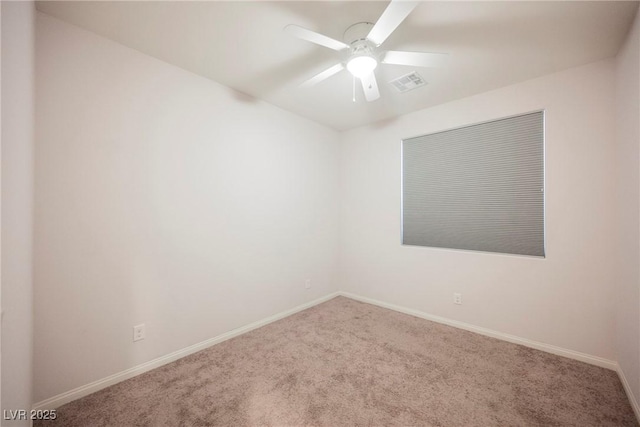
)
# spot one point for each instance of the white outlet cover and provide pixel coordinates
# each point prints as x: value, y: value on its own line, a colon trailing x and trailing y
x: 457, y: 298
x: 307, y: 283
x: 138, y: 332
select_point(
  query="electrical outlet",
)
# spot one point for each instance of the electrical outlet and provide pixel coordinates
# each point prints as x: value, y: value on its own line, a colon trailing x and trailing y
x: 138, y: 332
x: 457, y: 298
x: 307, y: 283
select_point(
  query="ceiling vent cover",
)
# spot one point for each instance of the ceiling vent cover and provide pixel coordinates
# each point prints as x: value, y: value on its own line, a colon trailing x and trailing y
x: 408, y: 82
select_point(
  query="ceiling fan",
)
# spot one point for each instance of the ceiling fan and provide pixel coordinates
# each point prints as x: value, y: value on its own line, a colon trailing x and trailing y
x: 362, y: 48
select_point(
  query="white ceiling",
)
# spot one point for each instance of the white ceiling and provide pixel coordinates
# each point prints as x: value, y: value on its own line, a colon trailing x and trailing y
x: 242, y: 45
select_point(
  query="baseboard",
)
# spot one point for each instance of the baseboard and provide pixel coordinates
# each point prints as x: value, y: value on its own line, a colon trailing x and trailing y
x: 583, y: 357
x: 77, y: 393
x: 627, y: 389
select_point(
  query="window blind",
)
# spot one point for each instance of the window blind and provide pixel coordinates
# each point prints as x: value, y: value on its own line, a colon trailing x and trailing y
x: 479, y: 187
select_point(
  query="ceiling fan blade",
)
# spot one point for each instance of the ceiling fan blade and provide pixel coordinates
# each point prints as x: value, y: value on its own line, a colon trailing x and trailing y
x: 313, y: 37
x: 370, y: 87
x: 392, y: 16
x: 415, y: 59
x: 322, y: 75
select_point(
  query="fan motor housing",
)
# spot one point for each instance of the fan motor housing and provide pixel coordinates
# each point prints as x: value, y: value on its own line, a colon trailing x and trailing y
x: 356, y: 37
x: 357, y: 32
x: 362, y: 48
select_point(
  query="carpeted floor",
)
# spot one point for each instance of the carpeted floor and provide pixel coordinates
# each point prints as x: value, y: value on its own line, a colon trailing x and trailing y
x: 345, y: 363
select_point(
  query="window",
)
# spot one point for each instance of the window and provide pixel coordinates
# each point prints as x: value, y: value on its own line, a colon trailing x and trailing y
x: 479, y: 187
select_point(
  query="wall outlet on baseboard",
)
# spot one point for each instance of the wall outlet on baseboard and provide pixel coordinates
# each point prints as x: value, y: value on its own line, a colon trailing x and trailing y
x: 457, y: 298
x: 138, y: 332
x: 307, y: 283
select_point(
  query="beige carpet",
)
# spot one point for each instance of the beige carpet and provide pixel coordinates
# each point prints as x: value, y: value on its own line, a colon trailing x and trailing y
x: 345, y: 363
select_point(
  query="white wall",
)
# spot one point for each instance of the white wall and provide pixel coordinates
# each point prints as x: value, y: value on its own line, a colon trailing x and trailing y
x: 17, y: 204
x: 628, y: 141
x: 166, y: 199
x: 564, y: 300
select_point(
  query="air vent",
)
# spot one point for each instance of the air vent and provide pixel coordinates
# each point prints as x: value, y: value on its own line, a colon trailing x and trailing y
x: 408, y: 82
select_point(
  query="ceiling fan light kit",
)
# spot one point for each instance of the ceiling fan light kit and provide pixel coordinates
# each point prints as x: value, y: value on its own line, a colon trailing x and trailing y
x: 363, y: 41
x: 361, y: 66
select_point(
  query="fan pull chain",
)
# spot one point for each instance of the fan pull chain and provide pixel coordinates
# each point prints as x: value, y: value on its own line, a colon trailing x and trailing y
x: 354, y: 88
